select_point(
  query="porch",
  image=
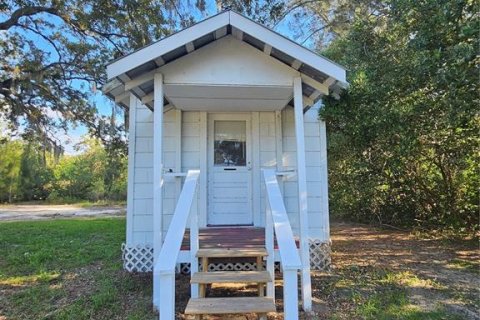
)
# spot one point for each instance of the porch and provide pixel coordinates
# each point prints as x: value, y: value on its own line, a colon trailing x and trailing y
x: 229, y: 238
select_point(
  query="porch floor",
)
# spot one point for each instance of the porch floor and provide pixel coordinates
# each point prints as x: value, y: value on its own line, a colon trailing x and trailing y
x: 228, y: 238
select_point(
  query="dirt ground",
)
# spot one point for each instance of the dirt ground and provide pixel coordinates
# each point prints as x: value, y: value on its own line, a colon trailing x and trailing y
x: 40, y: 212
x: 442, y: 272
x: 439, y: 278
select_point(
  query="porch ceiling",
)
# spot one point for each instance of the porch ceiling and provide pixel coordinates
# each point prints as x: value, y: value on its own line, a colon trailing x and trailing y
x: 134, y: 72
x: 228, y: 98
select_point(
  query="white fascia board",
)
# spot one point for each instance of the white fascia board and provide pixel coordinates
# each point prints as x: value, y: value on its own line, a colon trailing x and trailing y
x: 168, y: 44
x: 288, y: 46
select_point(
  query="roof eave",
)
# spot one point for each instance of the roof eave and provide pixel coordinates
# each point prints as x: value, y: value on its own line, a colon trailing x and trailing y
x: 151, y: 52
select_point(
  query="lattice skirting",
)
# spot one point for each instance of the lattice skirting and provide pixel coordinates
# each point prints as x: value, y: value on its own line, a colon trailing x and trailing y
x: 184, y: 268
x: 139, y: 258
x: 320, y: 255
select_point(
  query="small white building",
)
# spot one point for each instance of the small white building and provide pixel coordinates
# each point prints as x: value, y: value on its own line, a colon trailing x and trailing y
x: 227, y: 158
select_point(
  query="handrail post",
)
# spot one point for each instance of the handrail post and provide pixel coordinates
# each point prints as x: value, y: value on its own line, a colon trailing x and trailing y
x: 290, y: 294
x: 164, y: 268
x: 277, y: 217
x: 194, y: 246
x: 269, y: 245
x: 167, y: 296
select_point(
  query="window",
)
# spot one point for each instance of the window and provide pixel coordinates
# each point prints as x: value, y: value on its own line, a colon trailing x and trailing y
x: 230, y: 143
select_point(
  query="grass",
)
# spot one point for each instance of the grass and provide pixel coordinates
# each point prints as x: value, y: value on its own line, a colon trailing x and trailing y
x: 394, y: 304
x: 390, y: 299
x: 368, y: 292
x: 408, y: 279
x: 68, y: 269
x: 100, y: 203
x: 465, y: 265
x: 72, y: 201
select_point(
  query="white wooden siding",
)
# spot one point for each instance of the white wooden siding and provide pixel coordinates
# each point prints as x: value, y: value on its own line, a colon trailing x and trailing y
x: 170, y: 138
x: 142, y: 197
x: 191, y: 153
x: 268, y: 155
x: 314, y: 173
x: 228, y: 61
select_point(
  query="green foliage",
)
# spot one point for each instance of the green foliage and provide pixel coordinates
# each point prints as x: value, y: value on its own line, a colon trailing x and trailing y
x: 404, y: 137
x: 34, y: 175
x: 92, y: 175
x: 29, y: 172
x: 10, y: 154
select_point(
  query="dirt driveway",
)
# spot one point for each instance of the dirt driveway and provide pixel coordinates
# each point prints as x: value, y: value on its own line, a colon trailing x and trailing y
x: 41, y: 212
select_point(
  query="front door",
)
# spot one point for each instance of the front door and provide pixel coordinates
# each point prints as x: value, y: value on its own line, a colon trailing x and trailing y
x: 229, y: 170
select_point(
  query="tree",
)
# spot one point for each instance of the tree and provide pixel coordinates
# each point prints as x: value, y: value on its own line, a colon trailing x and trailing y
x: 266, y: 12
x: 10, y: 153
x: 404, y: 137
x: 35, y: 175
x: 53, y: 53
x: 91, y: 175
x: 320, y: 22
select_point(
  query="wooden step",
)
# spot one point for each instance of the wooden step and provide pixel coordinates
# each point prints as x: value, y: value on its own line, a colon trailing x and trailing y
x: 232, y: 253
x: 231, y: 277
x: 230, y: 305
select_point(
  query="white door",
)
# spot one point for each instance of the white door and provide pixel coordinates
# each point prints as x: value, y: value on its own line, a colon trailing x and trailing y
x: 229, y: 170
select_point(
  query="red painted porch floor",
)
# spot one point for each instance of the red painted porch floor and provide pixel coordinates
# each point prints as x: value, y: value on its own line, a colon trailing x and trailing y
x: 228, y: 238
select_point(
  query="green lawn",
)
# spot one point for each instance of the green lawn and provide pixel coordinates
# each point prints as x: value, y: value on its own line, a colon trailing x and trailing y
x: 68, y: 269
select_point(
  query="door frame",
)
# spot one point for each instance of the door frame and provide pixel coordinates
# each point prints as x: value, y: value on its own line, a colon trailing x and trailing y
x: 230, y: 116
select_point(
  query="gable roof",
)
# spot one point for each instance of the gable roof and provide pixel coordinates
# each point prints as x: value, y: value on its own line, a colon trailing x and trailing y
x: 320, y: 75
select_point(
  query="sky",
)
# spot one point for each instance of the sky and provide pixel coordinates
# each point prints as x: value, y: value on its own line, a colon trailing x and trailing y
x: 75, y: 134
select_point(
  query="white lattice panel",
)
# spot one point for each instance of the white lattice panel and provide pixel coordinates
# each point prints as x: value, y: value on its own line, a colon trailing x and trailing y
x: 138, y: 258
x: 231, y: 266
x: 320, y: 255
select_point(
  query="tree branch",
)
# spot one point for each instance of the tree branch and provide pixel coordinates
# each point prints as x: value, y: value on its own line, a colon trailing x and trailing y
x: 292, y: 8
x: 24, y: 12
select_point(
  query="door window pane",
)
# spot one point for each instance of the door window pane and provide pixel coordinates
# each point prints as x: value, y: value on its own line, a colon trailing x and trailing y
x: 230, y: 143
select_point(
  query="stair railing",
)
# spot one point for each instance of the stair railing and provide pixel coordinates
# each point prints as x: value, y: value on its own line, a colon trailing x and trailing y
x: 277, y: 220
x: 164, y: 269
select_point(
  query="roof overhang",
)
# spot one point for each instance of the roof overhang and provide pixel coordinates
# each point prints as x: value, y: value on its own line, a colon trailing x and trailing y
x: 134, y: 72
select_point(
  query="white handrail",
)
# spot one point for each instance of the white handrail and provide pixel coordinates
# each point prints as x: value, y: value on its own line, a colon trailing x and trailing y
x: 164, y: 269
x: 277, y: 219
x: 287, y: 248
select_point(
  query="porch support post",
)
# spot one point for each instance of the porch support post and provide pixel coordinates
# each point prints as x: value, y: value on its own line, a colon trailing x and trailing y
x: 324, y: 183
x: 157, y: 164
x: 132, y: 112
x: 302, y: 194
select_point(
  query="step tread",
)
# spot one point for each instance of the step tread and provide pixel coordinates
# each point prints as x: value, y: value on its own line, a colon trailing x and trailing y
x: 231, y: 277
x: 232, y: 253
x: 230, y: 305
